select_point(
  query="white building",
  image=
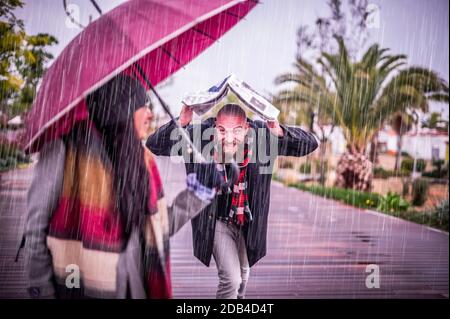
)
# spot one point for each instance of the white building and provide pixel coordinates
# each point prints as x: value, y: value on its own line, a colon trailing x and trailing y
x: 420, y: 145
x: 427, y: 144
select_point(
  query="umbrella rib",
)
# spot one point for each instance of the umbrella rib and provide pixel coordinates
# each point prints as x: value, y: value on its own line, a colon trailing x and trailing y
x: 204, y: 33
x: 97, y: 7
x: 167, y: 110
x: 234, y: 15
x: 169, y: 54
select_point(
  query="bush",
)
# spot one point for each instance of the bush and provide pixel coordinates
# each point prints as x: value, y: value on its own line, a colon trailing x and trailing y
x: 407, y: 165
x: 405, y: 188
x: 285, y: 164
x: 317, y: 166
x: 441, y: 215
x: 380, y: 172
x: 305, y: 168
x: 11, y: 156
x: 438, y: 164
x: 437, y: 217
x: 439, y: 171
x: 419, y: 191
x: 405, y: 154
x: 392, y: 202
x: 435, y: 174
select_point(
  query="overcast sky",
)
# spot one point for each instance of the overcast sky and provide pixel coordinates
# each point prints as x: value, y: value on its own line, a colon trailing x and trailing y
x: 264, y: 45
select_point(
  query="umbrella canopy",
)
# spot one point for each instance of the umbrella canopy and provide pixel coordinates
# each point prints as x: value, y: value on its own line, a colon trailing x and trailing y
x: 157, y: 36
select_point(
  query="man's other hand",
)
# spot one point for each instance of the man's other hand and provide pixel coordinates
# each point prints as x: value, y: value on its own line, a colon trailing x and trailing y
x: 275, y: 128
x: 185, y: 115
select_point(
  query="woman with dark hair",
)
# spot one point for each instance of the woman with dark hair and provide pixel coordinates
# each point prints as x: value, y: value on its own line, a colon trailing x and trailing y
x: 98, y: 225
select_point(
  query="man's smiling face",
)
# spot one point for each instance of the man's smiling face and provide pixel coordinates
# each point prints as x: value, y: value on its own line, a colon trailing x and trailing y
x: 231, y: 130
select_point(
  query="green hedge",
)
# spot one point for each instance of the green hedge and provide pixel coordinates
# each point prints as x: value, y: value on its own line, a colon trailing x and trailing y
x: 407, y: 165
x: 440, y: 170
x: 436, y: 174
x: 380, y: 172
x: 325, y: 166
x: 391, y: 204
x: 305, y: 168
x: 285, y: 164
x: 348, y: 196
x: 419, y: 191
x: 437, y: 217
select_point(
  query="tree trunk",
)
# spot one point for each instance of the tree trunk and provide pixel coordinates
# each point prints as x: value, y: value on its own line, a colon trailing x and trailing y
x: 323, y: 149
x: 373, y: 156
x: 311, y: 121
x: 399, y: 152
x: 354, y: 170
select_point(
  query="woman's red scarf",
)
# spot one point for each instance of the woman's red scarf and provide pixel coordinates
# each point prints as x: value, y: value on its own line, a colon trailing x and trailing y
x: 86, y: 230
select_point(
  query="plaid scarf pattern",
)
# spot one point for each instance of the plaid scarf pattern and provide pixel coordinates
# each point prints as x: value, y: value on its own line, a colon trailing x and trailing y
x: 240, y: 212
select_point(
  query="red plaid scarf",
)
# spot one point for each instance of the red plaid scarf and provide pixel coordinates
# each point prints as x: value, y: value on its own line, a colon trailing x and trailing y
x: 240, y: 212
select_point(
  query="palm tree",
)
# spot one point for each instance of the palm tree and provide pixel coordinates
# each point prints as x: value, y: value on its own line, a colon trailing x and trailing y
x: 401, y: 123
x: 315, y: 112
x: 362, y: 96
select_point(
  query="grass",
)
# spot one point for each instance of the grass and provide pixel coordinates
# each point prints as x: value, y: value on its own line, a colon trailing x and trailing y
x: 347, y: 196
x: 434, y: 218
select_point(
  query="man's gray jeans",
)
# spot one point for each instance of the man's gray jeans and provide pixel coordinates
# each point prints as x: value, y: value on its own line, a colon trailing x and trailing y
x: 231, y: 259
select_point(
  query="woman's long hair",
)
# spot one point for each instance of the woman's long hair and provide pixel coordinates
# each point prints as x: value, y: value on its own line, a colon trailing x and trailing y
x: 111, y: 108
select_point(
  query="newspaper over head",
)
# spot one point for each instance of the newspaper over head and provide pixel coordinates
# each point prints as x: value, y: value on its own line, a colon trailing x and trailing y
x: 202, y: 102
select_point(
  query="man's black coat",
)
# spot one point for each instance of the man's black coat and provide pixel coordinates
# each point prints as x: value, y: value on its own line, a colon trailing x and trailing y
x: 294, y: 142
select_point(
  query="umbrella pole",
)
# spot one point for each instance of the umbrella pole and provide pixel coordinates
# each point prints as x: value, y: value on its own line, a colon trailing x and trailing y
x: 191, y: 147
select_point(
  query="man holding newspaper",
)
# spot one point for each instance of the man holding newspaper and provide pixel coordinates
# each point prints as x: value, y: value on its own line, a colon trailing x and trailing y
x: 233, y: 228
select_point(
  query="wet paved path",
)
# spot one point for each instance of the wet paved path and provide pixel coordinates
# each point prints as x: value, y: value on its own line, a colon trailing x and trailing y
x: 317, y: 248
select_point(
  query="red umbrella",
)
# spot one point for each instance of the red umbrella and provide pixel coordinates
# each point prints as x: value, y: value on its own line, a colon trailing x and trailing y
x: 153, y: 37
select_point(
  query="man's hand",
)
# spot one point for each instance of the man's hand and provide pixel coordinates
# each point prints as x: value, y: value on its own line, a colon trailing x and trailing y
x: 185, y: 115
x: 275, y: 128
